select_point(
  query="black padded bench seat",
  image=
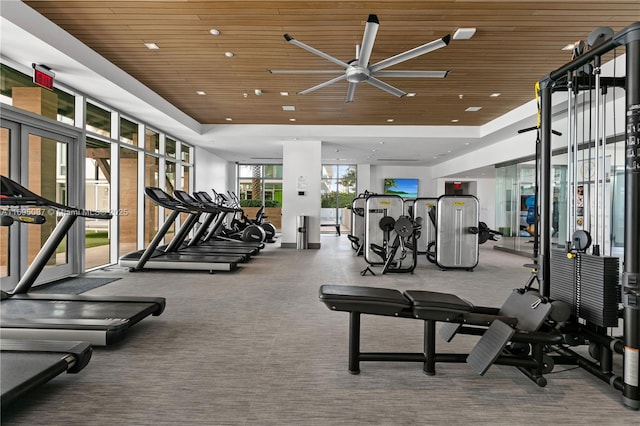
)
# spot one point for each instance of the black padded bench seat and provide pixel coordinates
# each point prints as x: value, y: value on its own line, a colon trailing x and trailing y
x: 496, y: 326
x: 366, y: 300
x: 437, y: 306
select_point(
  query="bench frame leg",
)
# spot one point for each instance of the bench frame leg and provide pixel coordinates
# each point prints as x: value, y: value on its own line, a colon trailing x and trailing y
x: 429, y: 343
x: 354, y: 343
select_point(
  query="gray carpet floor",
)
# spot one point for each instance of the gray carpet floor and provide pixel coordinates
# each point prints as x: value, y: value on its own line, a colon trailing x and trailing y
x: 256, y: 347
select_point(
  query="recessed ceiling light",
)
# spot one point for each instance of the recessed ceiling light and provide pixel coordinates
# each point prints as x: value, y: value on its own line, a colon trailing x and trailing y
x: 152, y: 46
x: 435, y: 156
x: 455, y: 120
x: 288, y: 108
x: 569, y: 46
x: 229, y: 119
x: 381, y: 142
x: 292, y: 119
x: 284, y: 93
x: 495, y: 95
x: 467, y: 143
x: 473, y: 109
x: 214, y: 31
x: 229, y: 54
x: 410, y: 95
x: 464, y: 33
x: 201, y: 92
x: 390, y: 120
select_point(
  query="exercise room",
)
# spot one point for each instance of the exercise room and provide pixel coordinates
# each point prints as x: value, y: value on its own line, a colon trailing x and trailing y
x: 319, y: 213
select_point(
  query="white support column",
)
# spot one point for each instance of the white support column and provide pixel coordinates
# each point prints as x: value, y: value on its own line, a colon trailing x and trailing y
x: 301, y: 179
x: 364, y: 178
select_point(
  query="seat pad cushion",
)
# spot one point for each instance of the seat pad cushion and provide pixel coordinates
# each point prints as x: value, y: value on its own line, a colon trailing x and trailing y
x: 368, y: 300
x: 427, y: 300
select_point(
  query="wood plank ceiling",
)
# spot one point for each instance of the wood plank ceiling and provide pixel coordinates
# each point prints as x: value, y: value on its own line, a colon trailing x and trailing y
x: 516, y: 43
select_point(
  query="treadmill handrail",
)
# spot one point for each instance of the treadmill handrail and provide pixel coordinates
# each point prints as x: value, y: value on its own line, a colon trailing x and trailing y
x: 206, y: 199
x: 15, y: 195
x: 186, y: 199
x: 166, y: 201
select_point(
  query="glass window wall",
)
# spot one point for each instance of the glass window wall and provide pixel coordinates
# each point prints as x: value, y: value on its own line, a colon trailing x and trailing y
x: 97, y: 197
x: 261, y: 185
x: 98, y: 120
x: 128, y: 131
x: 515, y: 201
x: 14, y: 85
x: 95, y: 192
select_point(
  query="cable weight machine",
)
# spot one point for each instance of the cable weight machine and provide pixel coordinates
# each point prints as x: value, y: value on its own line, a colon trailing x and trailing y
x: 629, y: 344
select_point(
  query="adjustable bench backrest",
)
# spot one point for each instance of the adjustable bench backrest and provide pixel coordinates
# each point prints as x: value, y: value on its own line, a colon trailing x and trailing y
x: 531, y: 313
x: 527, y: 308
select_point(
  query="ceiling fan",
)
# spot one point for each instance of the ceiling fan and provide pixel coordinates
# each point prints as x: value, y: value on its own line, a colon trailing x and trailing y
x: 359, y: 70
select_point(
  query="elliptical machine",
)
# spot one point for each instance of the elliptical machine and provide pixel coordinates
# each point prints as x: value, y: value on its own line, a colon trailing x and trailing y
x: 260, y: 219
x: 239, y: 227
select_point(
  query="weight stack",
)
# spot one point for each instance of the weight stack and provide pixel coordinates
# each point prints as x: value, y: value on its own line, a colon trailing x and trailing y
x: 589, y: 284
x: 563, y: 279
x: 599, y: 289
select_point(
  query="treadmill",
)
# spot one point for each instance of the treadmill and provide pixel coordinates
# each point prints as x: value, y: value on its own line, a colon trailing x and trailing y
x: 27, y: 364
x: 99, y: 320
x: 196, y: 244
x: 169, y: 257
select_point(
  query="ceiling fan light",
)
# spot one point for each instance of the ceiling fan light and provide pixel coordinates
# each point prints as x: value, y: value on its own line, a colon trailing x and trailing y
x: 464, y: 33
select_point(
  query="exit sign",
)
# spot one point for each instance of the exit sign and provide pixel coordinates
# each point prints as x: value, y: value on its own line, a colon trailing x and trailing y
x: 43, y: 76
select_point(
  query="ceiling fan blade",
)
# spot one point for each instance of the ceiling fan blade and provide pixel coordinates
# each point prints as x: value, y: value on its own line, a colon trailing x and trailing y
x: 412, y: 74
x: 351, y: 92
x: 369, y: 37
x: 386, y: 87
x: 315, y: 51
x: 321, y: 85
x: 306, y: 71
x: 410, y: 54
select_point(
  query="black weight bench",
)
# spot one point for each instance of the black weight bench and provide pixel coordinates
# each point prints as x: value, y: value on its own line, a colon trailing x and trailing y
x: 517, y: 321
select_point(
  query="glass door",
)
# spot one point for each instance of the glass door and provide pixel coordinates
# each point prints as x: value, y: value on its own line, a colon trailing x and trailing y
x: 9, y: 265
x: 97, y: 232
x: 337, y: 193
x: 45, y: 159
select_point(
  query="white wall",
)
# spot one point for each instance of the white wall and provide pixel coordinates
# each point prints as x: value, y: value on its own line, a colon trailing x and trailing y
x: 211, y: 172
x: 486, y: 194
x: 426, y: 186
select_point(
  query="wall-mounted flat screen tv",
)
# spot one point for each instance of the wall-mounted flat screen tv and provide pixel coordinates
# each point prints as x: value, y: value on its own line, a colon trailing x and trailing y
x: 406, y: 188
